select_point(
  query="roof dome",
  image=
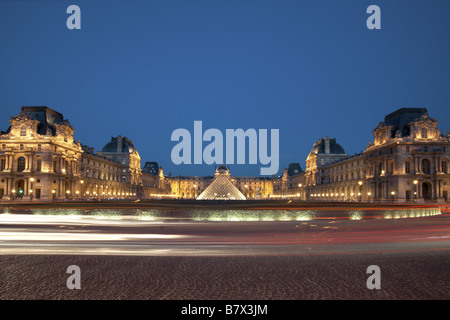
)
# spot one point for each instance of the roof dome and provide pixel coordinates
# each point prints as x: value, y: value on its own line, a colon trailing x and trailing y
x: 119, y: 144
x: 222, y: 169
x: 327, y: 146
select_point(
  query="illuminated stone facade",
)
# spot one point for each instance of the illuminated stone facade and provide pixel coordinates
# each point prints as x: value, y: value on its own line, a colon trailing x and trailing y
x: 40, y: 161
x: 407, y: 162
x: 253, y: 188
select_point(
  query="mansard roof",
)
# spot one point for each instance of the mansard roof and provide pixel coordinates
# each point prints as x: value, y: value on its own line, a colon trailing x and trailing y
x: 401, y: 118
x: 294, y: 169
x: 151, y: 167
x: 46, y: 116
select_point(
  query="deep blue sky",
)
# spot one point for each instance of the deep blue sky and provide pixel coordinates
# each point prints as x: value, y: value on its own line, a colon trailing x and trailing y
x: 145, y: 68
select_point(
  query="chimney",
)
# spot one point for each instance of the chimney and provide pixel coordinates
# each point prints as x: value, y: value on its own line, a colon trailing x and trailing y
x: 327, y: 144
x: 119, y: 143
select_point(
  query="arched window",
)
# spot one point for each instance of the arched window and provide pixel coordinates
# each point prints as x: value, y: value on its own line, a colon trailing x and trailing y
x: 21, y: 164
x: 424, y: 133
x: 444, y: 167
x: 23, y: 131
x: 426, y: 166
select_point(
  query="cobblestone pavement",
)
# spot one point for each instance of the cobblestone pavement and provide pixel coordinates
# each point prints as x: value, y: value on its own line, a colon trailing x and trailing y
x: 318, y: 259
x: 403, y: 276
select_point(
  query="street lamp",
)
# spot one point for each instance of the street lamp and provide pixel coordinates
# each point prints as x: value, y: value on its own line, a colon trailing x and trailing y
x: 82, y: 185
x: 31, y: 188
x: 360, y: 187
x: 415, y: 189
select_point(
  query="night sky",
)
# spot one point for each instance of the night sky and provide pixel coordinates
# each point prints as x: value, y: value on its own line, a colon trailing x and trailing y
x: 142, y: 69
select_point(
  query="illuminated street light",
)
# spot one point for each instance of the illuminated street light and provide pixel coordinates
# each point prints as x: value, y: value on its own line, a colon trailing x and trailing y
x: 415, y: 189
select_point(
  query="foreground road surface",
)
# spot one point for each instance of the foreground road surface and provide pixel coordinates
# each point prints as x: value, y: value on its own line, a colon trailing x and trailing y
x: 132, y: 259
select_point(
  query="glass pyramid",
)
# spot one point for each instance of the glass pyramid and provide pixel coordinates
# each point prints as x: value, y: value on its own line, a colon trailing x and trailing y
x: 221, y: 188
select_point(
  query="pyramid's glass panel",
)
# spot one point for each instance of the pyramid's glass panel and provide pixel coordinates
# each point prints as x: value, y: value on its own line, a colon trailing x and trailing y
x: 221, y: 188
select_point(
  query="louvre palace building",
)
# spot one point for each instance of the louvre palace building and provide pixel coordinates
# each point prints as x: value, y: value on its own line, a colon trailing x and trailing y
x: 407, y: 162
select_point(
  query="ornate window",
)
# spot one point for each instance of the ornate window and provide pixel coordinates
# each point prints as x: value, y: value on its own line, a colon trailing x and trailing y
x: 444, y: 167
x: 426, y: 166
x: 23, y: 131
x: 21, y: 164
x: 424, y: 133
x: 407, y: 167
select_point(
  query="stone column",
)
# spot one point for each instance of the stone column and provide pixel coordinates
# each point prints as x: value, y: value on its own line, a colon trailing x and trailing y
x: 11, y: 186
x: 436, y: 165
